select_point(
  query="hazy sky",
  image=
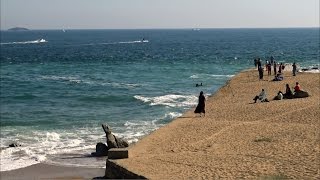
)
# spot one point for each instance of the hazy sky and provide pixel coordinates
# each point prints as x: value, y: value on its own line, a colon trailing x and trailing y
x: 148, y: 14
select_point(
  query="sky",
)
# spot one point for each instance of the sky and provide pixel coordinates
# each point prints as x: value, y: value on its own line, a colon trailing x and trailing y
x: 155, y: 14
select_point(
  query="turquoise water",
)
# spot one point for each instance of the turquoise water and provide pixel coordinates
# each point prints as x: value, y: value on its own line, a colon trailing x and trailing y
x: 55, y: 94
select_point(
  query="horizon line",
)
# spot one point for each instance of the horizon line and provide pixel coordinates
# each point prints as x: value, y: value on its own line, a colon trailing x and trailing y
x: 189, y: 28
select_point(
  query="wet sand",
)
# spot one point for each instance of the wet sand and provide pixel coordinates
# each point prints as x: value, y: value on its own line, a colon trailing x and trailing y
x: 46, y: 171
x: 238, y: 138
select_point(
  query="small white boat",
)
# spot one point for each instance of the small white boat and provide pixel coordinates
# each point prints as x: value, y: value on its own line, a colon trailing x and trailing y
x: 144, y: 40
x: 40, y: 41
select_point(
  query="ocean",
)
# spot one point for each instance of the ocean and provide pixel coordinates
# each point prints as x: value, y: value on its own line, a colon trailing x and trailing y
x: 57, y: 87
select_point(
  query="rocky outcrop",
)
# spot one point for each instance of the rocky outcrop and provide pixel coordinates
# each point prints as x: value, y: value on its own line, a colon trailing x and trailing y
x: 14, y: 145
x: 112, y: 142
x: 101, y: 149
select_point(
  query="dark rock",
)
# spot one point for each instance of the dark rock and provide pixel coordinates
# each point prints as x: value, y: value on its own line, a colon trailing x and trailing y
x: 101, y: 150
x: 121, y: 142
x: 14, y: 145
x: 112, y: 140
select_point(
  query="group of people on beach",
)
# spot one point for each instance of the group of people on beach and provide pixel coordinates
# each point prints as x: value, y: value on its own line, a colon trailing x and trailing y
x: 269, y: 64
x: 287, y: 95
x: 200, y: 108
x: 277, y: 68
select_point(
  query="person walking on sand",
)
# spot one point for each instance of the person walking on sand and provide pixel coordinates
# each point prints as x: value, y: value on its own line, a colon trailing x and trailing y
x: 275, y: 67
x: 201, y: 105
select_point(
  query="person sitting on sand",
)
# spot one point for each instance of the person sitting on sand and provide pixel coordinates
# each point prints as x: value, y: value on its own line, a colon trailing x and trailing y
x: 262, y: 97
x: 201, y: 105
x: 288, y: 94
x: 299, y: 93
x: 297, y: 87
x: 278, y: 77
x: 279, y: 96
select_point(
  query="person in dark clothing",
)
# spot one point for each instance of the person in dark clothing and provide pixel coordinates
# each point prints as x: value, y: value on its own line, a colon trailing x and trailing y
x: 280, y: 68
x: 201, y: 105
x: 260, y: 73
x: 275, y: 67
x: 269, y: 68
x: 288, y: 94
x: 259, y: 63
x: 294, y: 69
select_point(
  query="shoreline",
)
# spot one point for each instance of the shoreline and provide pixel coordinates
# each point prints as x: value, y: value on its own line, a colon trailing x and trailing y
x: 49, y: 171
x: 169, y: 152
x: 237, y: 138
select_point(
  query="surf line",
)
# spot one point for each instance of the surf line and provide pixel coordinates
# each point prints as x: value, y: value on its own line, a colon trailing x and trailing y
x: 225, y: 75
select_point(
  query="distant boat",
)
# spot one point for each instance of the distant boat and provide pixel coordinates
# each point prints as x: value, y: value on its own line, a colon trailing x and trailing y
x: 144, y: 40
x: 40, y: 41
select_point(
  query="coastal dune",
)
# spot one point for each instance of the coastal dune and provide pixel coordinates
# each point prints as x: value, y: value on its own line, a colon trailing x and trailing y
x: 238, y: 138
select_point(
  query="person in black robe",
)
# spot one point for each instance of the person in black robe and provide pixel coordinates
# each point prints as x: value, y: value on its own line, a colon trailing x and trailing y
x: 201, y: 105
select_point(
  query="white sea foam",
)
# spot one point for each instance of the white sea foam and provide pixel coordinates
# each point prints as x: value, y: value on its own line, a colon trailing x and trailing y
x: 26, y: 42
x: 37, y: 145
x: 72, y: 79
x: 171, y: 100
x: 173, y: 115
x: 198, y: 76
x: 114, y: 43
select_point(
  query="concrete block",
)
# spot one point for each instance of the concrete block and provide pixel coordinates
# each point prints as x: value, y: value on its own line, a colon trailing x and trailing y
x: 118, y: 153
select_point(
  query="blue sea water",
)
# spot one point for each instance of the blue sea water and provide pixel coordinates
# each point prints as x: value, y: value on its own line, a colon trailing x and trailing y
x: 55, y: 94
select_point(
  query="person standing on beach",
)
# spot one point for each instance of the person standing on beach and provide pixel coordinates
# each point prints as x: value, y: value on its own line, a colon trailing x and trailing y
x: 275, y: 67
x: 260, y: 70
x: 269, y: 69
x: 201, y: 105
x: 280, y: 68
x: 294, y: 69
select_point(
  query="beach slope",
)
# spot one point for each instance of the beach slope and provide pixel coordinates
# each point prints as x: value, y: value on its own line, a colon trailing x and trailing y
x: 238, y: 138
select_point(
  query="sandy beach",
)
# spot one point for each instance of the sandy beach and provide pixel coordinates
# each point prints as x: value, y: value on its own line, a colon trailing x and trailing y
x: 238, y: 138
